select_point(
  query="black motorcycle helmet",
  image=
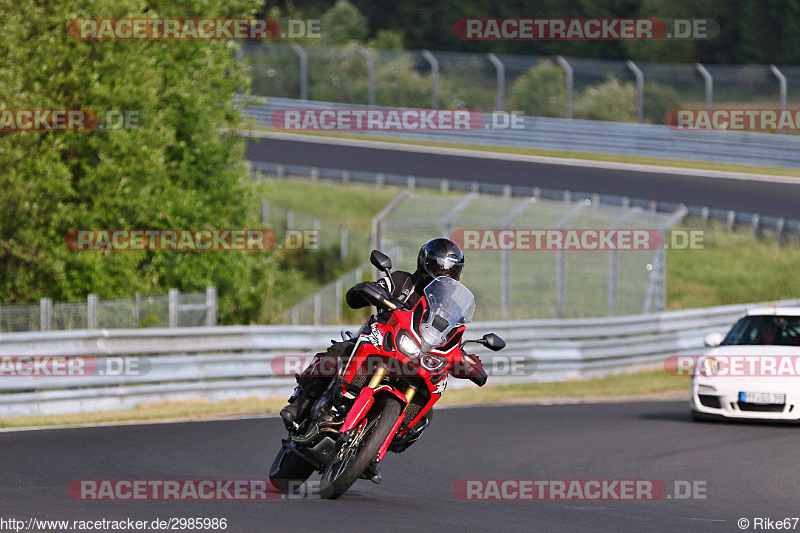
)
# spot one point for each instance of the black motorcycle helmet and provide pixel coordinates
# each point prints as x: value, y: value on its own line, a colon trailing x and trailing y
x: 440, y: 257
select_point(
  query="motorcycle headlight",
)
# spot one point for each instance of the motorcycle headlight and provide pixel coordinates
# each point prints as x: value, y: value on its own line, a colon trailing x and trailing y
x: 432, y: 363
x: 407, y: 345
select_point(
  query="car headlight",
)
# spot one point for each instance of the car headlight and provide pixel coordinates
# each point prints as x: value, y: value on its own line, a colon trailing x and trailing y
x: 407, y: 345
x: 432, y: 363
x: 709, y: 367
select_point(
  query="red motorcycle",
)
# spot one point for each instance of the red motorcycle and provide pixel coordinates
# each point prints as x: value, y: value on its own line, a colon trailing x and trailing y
x: 377, y: 398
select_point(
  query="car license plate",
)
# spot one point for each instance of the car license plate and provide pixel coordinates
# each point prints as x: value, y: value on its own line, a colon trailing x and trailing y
x: 763, y: 398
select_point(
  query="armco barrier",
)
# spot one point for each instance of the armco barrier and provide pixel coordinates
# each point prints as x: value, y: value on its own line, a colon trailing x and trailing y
x: 646, y: 140
x: 235, y: 361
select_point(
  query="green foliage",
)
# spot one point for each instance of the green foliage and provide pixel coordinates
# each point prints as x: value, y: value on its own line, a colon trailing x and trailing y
x: 610, y: 100
x: 387, y: 40
x: 541, y: 91
x: 343, y: 23
x: 176, y: 171
x: 658, y: 99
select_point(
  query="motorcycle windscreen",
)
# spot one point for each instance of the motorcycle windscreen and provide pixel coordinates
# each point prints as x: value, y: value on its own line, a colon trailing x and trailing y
x: 449, y: 303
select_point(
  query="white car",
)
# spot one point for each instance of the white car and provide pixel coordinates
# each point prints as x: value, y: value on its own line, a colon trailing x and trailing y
x: 754, y: 371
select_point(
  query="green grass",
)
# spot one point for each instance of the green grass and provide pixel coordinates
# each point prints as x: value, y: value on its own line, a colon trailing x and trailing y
x: 645, y: 383
x: 590, y: 156
x: 734, y: 268
x: 352, y: 206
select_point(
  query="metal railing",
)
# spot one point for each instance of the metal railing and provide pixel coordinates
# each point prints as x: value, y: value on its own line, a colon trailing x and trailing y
x: 647, y: 140
x: 174, y: 310
x: 243, y: 361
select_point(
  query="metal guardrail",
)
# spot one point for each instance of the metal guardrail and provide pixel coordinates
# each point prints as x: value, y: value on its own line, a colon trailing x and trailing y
x: 760, y: 225
x: 646, y: 140
x: 236, y: 361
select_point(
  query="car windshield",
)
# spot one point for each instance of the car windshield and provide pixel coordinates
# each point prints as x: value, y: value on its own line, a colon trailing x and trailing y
x: 765, y: 330
x: 450, y: 303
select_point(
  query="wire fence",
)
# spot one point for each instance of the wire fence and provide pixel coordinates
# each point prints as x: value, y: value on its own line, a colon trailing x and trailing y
x: 514, y: 284
x: 174, y: 310
x: 486, y: 82
x: 348, y: 244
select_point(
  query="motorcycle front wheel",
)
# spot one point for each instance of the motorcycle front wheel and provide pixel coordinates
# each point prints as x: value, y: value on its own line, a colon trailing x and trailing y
x: 356, y: 456
x: 289, y: 471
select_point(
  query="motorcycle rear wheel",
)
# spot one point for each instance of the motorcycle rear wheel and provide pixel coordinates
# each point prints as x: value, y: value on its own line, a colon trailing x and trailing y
x: 289, y: 471
x: 341, y: 474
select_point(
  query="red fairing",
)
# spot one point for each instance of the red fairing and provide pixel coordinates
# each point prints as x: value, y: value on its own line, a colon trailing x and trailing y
x: 379, y: 346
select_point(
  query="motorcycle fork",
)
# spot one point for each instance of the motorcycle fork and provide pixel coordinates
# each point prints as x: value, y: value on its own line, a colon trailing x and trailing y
x: 366, y: 399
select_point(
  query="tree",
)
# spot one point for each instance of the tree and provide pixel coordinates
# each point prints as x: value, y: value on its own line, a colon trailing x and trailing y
x: 176, y: 171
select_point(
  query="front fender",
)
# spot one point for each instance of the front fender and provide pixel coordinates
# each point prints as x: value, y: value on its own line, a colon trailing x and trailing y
x: 364, y: 402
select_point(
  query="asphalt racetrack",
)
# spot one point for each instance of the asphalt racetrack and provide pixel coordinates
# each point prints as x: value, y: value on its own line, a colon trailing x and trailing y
x: 778, y: 198
x: 746, y: 470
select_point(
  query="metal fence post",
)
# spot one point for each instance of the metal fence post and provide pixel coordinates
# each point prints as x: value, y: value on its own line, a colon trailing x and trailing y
x: 303, y: 70
x: 45, y: 314
x: 211, y: 306
x: 174, y: 296
x: 779, y: 231
x: 561, y: 260
x: 370, y: 73
x: 499, y: 101
x: 264, y: 212
x: 782, y: 82
x: 137, y: 310
x: 505, y: 258
x: 570, y: 82
x: 343, y: 243
x: 317, y: 308
x: 434, y: 63
x: 338, y: 299
x: 639, y: 90
x: 709, y: 84
x: 290, y: 220
x: 91, y: 311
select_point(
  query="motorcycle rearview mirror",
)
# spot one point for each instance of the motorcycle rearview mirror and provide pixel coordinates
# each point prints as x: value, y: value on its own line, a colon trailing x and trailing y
x: 490, y: 340
x: 380, y: 261
x: 493, y: 342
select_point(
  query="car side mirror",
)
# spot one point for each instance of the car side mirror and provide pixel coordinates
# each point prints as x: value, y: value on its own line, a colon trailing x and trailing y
x: 713, y: 339
x: 380, y: 261
x: 493, y: 342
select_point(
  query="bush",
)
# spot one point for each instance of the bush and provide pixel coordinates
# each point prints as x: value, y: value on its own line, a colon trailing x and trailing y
x: 658, y: 99
x: 610, y: 100
x: 343, y: 23
x: 541, y: 91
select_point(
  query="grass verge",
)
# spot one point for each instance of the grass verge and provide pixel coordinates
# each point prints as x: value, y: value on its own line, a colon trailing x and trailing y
x: 644, y: 383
